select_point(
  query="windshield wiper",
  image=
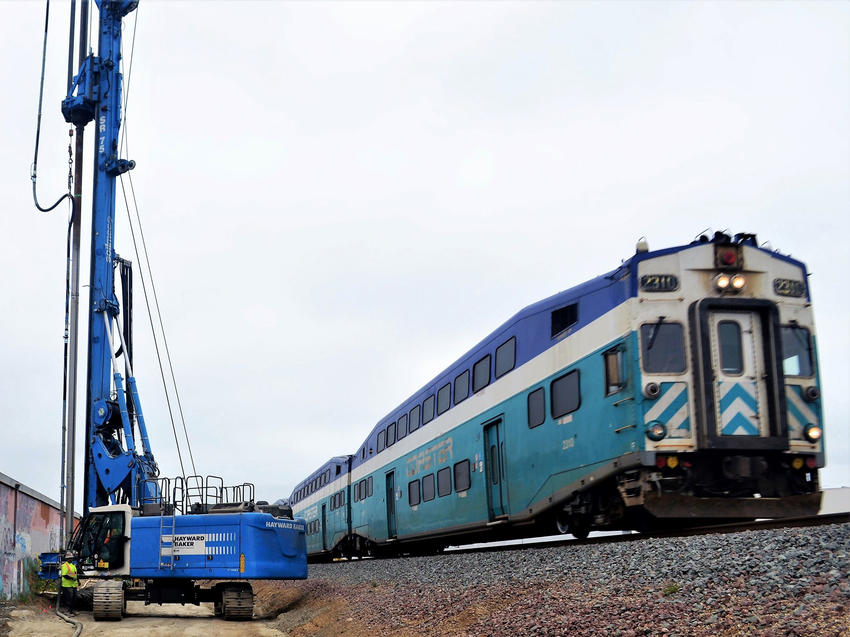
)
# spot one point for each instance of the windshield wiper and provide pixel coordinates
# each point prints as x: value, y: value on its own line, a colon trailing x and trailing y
x: 655, y: 329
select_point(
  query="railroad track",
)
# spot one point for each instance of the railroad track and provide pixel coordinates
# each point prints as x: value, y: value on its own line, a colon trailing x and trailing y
x: 734, y: 527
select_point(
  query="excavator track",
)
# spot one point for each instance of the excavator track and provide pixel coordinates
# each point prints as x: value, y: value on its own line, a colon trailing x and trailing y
x: 237, y: 601
x: 108, y: 600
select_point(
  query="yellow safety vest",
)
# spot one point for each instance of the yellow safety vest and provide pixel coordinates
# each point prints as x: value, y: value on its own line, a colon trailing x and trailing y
x: 69, y: 575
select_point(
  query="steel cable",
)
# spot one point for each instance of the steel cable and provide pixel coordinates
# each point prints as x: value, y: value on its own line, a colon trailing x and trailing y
x: 33, y: 168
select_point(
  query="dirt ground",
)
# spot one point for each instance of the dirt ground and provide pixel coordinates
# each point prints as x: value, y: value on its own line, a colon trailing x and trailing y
x: 297, y: 609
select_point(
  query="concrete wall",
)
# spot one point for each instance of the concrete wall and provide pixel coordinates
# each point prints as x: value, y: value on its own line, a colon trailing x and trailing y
x: 29, y: 525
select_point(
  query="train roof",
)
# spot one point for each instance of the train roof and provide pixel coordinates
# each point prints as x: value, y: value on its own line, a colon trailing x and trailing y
x: 336, y: 461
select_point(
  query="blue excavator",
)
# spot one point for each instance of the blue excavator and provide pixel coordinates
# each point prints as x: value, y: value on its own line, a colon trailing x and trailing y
x: 144, y: 537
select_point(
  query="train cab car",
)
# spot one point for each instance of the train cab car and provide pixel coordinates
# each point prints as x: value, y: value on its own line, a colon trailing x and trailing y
x: 681, y: 387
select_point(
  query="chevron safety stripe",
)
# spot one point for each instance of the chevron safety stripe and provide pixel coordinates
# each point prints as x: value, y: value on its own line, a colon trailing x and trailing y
x: 799, y: 412
x: 738, y: 408
x: 671, y: 408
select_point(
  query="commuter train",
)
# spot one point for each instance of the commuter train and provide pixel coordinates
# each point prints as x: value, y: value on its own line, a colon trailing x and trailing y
x: 680, y: 388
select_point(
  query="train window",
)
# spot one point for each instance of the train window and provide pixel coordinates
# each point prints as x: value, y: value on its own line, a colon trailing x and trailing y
x: 615, y: 371
x: 413, y: 493
x: 731, y: 350
x: 356, y: 493
x: 363, y: 453
x: 382, y: 438
x: 362, y: 486
x: 663, y: 347
x: 391, y: 435
x: 428, y: 410
x: 796, y: 351
x: 401, y: 430
x: 414, y: 418
x: 444, y: 398
x: 566, y: 396
x: 428, y: 487
x: 481, y: 374
x: 341, y: 498
x: 564, y: 318
x: 462, y: 387
x: 505, y: 357
x: 444, y: 482
x: 369, y: 487
x: 536, y: 407
x: 462, y: 476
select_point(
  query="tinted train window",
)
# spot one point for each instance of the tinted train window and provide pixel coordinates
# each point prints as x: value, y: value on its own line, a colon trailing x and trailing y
x: 444, y: 398
x: 356, y: 492
x: 566, y: 397
x: 381, y: 440
x: 536, y: 407
x: 462, y: 476
x: 444, y: 482
x: 796, y: 351
x: 505, y: 357
x: 428, y: 487
x: 663, y: 347
x: 402, y: 427
x: 462, y: 387
x: 414, y: 419
x: 481, y: 374
x: 731, y: 351
x: 564, y: 318
x: 369, y: 487
x: 413, y: 493
x: 391, y: 435
x: 428, y: 410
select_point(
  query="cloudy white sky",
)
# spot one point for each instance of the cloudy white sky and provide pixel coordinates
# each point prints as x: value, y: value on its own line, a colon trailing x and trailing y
x: 340, y: 198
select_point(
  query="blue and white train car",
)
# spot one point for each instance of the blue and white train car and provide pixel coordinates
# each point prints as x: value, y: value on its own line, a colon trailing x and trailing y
x: 678, y: 388
x: 323, y: 500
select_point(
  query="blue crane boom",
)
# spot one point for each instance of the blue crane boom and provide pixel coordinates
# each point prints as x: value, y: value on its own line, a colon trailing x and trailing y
x: 136, y: 525
x: 115, y: 471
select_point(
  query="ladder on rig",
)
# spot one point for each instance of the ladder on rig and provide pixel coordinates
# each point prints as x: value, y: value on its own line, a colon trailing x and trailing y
x: 166, y: 541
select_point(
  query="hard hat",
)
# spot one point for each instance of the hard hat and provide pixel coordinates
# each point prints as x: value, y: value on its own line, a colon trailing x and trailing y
x: 69, y: 555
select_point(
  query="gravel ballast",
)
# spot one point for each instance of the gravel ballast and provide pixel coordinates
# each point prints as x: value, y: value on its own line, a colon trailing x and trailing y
x: 766, y: 582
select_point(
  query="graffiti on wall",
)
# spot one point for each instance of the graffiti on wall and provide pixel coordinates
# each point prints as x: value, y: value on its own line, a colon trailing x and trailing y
x: 28, y: 526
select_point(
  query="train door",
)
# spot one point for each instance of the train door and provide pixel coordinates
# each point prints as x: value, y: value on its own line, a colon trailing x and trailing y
x: 391, y: 523
x: 494, y: 460
x: 739, y: 375
x: 324, y: 528
x: 737, y: 358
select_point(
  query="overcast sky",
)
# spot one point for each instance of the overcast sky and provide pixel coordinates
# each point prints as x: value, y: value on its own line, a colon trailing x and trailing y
x: 339, y: 199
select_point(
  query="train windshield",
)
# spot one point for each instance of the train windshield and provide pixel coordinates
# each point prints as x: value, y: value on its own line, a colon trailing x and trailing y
x: 663, y: 347
x: 796, y: 351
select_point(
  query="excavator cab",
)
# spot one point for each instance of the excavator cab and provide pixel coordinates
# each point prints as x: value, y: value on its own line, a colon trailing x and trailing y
x: 101, y: 540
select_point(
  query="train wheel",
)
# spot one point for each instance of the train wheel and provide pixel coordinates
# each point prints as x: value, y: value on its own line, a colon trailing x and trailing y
x: 108, y: 600
x: 580, y: 529
x: 577, y: 526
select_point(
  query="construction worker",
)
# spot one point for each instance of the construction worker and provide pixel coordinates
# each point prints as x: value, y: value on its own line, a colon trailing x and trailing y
x: 70, y: 582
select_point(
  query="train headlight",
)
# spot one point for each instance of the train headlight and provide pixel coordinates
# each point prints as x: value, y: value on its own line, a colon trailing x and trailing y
x: 797, y: 463
x: 656, y: 431
x: 739, y: 282
x: 722, y: 282
x: 813, y: 433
